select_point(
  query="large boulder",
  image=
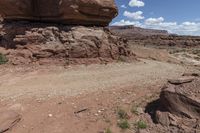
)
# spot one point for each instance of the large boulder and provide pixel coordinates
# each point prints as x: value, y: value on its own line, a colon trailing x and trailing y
x: 181, y: 97
x: 178, y: 109
x: 78, y: 12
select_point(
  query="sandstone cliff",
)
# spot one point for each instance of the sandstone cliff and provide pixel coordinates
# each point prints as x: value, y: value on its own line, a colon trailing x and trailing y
x: 154, y: 37
x: 76, y: 12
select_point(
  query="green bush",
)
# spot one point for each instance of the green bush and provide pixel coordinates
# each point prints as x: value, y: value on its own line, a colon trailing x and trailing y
x: 141, y: 125
x: 3, y: 59
x: 123, y: 124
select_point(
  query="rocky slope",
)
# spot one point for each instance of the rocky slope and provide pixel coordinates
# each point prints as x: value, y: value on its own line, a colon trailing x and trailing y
x: 25, y: 43
x: 154, y: 37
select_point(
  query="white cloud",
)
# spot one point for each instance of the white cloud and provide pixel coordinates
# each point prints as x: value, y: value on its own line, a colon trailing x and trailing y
x: 134, y: 15
x: 185, y: 28
x: 159, y: 23
x: 136, y: 3
x: 188, y: 28
x: 127, y: 22
x: 154, y: 21
x: 123, y: 6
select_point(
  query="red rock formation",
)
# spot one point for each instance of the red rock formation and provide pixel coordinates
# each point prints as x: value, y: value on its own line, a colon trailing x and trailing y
x: 26, y: 43
x: 182, y: 98
x: 78, y: 12
x: 178, y: 109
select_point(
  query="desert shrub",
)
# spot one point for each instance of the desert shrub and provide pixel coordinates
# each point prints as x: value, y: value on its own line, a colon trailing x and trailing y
x: 122, y: 114
x: 141, y: 125
x: 3, y: 59
x: 197, y: 51
x: 108, y: 130
x: 123, y: 124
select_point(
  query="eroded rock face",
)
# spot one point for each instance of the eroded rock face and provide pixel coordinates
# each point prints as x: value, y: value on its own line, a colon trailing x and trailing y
x: 78, y: 12
x: 178, y: 109
x: 28, y: 43
x: 182, y: 99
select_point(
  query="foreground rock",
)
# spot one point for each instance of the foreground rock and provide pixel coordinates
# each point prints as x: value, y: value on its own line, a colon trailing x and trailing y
x: 8, y: 119
x: 182, y: 98
x: 78, y: 12
x: 179, y: 109
x: 25, y: 43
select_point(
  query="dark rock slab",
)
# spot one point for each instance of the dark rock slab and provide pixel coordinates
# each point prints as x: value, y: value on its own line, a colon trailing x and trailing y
x: 180, y: 80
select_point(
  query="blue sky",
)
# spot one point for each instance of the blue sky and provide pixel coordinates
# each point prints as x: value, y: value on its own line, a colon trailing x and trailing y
x: 176, y: 16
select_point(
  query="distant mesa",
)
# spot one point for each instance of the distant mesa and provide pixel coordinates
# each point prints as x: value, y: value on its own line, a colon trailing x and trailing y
x: 132, y: 30
x: 154, y: 37
x: 73, y: 12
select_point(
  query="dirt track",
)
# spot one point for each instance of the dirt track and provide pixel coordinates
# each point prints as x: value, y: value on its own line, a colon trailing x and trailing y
x: 56, y: 81
x: 36, y: 93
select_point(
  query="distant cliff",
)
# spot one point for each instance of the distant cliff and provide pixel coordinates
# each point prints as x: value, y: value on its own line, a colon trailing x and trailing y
x: 154, y: 37
x: 132, y: 30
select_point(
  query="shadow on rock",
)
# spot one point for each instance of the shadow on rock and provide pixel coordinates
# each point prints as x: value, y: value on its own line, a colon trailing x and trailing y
x: 178, y: 107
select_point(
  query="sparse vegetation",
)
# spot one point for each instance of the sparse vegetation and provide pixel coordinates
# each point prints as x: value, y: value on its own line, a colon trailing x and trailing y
x: 3, y: 59
x: 123, y: 124
x: 141, y: 125
x: 108, y: 130
x: 196, y: 51
x: 122, y: 114
x: 134, y: 110
x: 173, y: 51
x: 122, y: 59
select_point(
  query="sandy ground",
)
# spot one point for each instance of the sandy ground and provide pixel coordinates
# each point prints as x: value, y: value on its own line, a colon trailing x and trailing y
x: 48, y: 97
x: 59, y: 81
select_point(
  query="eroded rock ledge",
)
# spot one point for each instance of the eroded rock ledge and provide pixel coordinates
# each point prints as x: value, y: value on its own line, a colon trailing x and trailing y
x: 77, y: 12
x: 26, y: 43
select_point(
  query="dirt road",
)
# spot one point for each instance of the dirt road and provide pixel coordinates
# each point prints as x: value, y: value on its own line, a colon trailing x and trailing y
x: 56, y: 81
x: 48, y: 97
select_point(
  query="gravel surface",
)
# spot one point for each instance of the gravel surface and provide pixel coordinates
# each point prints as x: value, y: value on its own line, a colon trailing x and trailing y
x: 56, y: 81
